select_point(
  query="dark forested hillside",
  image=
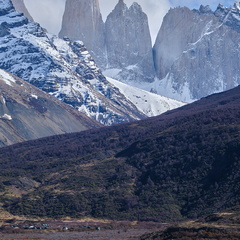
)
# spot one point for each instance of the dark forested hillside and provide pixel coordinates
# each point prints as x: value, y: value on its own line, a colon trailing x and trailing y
x: 182, y: 164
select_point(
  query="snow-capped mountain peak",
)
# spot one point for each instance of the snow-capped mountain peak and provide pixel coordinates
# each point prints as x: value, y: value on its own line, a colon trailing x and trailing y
x: 60, y: 67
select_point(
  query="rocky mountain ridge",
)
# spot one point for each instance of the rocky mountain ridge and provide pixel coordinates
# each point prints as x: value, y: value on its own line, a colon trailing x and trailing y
x: 66, y: 70
x: 205, y: 58
x: 28, y: 113
x: 195, y: 53
x: 127, y: 51
x: 60, y: 67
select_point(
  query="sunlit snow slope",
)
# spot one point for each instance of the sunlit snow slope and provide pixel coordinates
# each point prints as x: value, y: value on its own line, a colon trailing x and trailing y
x: 149, y: 103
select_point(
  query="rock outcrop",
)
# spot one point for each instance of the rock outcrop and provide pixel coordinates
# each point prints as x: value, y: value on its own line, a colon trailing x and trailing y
x: 82, y: 20
x: 128, y: 43
x: 20, y: 7
x: 196, y: 52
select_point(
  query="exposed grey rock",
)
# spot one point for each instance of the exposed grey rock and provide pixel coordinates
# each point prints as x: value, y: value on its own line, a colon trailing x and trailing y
x: 82, y: 20
x: 124, y: 44
x: 205, y: 9
x: 128, y: 43
x: 20, y: 7
x: 197, y: 52
x: 180, y: 27
x: 4, y: 31
x: 28, y: 113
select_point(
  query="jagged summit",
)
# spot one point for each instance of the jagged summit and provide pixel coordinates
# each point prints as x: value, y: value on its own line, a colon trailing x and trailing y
x: 128, y: 43
x: 121, y: 6
x: 205, y: 9
x: 136, y: 6
x: 229, y: 16
x: 237, y: 5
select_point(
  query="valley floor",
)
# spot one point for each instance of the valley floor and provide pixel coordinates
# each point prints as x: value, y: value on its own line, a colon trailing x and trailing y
x: 80, y: 230
x: 221, y: 226
x: 101, y: 235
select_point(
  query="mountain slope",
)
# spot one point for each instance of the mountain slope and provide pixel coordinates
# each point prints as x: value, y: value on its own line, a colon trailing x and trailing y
x: 60, y: 67
x: 182, y: 164
x: 28, y: 113
x: 149, y: 103
x: 196, y: 52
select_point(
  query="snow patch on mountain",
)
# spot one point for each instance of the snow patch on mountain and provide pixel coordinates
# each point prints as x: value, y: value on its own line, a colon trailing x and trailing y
x: 5, y: 4
x: 149, y: 103
x: 7, y: 78
x: 6, y: 117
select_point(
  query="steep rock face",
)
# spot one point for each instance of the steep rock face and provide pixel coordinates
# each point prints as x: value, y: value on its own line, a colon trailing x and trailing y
x: 180, y: 27
x: 82, y: 20
x: 197, y: 53
x: 60, y: 67
x: 122, y: 47
x: 28, y: 113
x: 20, y: 7
x: 128, y: 43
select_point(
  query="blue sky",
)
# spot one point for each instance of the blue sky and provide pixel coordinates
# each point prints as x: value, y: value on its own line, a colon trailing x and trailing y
x: 49, y: 12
